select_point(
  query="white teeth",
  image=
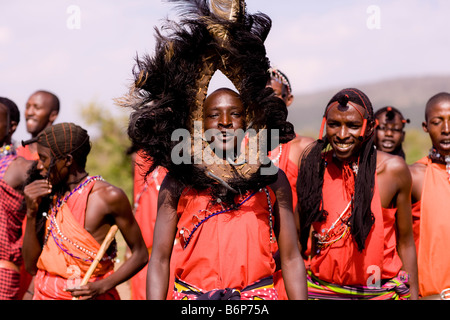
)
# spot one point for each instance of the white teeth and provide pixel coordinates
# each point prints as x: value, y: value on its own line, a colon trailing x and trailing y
x: 344, y: 145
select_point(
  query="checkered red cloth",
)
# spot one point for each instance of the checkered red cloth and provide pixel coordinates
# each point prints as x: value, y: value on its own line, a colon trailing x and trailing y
x: 9, y: 284
x: 11, y: 218
x: 4, y: 163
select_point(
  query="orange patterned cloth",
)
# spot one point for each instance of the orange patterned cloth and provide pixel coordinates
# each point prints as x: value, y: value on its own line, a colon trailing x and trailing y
x: 61, y: 264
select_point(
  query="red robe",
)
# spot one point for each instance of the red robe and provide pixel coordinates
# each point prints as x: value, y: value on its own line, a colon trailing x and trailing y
x: 433, y: 222
x: 291, y: 170
x: 228, y: 250
x: 57, y: 269
x: 341, y: 263
x: 146, y: 206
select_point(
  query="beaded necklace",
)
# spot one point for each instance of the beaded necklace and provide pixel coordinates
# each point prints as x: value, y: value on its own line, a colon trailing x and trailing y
x: 436, y: 156
x: 278, y: 155
x: 56, y: 233
x: 337, y: 230
x: 7, y: 150
x: 187, y: 235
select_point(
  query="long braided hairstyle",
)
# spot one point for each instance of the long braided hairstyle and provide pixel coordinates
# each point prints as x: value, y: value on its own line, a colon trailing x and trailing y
x: 311, y: 175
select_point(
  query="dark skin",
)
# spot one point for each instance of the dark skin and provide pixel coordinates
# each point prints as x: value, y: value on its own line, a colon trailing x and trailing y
x: 299, y: 143
x: 167, y: 219
x: 16, y: 174
x: 437, y: 125
x: 344, y: 127
x: 107, y: 205
x: 39, y: 114
x: 389, y: 134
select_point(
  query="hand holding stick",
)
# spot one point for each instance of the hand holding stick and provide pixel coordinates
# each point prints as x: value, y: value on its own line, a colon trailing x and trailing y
x: 101, y: 252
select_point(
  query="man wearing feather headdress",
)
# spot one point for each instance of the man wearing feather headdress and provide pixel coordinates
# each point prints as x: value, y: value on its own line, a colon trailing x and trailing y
x: 226, y: 212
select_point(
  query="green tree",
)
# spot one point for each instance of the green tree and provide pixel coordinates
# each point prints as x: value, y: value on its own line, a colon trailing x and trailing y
x: 108, y: 156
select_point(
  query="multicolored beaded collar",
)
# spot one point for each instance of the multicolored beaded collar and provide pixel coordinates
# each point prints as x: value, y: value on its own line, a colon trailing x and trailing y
x: 56, y: 233
x: 186, y: 234
x: 7, y: 150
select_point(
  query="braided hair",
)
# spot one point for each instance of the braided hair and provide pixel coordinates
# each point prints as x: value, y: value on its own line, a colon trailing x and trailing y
x: 62, y: 139
x: 312, y: 169
x: 391, y: 113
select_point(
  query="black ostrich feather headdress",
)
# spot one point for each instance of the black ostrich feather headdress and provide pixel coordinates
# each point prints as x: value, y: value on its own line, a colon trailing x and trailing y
x: 170, y: 88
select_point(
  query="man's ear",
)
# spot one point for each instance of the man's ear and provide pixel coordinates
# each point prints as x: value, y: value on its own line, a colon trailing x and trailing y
x: 425, y: 127
x: 69, y: 160
x: 370, y: 128
x: 289, y: 100
x: 53, y: 115
x: 12, y: 127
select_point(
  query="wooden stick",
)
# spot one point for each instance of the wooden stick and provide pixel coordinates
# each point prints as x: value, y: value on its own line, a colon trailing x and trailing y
x: 101, y: 252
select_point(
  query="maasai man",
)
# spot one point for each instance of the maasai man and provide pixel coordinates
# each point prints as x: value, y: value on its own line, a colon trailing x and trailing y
x: 431, y: 200
x: 357, y: 202
x: 228, y: 246
x: 41, y: 110
x: 77, y: 210
x: 286, y: 157
x: 390, y: 131
x: 12, y: 212
x: 225, y: 201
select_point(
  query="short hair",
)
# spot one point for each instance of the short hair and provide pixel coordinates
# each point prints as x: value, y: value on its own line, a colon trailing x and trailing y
x: 54, y: 104
x: 12, y: 110
x: 437, y: 98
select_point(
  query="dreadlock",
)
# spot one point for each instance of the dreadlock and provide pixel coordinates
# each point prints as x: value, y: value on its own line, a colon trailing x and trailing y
x: 311, y: 174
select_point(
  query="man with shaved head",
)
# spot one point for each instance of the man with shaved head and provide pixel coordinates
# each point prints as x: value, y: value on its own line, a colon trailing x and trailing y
x: 430, y: 196
x: 41, y: 111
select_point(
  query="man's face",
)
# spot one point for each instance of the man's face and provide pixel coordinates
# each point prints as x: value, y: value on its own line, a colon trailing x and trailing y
x: 57, y: 172
x: 281, y: 92
x: 224, y: 112
x: 344, y: 126
x: 389, y: 134
x: 438, y: 126
x: 38, y: 113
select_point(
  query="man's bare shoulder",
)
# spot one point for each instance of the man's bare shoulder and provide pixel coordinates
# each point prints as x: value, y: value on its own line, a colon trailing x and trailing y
x: 298, y: 145
x: 108, y: 192
x: 390, y: 164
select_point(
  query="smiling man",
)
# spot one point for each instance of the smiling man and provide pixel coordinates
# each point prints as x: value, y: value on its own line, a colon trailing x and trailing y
x: 224, y: 118
x: 356, y: 200
x: 430, y: 196
x: 225, y: 247
x: 41, y: 111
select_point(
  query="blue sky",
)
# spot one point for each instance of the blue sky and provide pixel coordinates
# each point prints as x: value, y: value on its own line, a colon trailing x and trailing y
x: 319, y: 44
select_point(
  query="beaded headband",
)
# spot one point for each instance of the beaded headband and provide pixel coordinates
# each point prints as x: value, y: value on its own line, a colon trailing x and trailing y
x: 281, y: 78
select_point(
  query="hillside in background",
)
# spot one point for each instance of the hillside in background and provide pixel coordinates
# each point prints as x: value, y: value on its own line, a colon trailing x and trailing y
x: 409, y: 95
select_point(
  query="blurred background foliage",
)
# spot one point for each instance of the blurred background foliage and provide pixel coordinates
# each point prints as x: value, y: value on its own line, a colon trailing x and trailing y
x: 108, y: 156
